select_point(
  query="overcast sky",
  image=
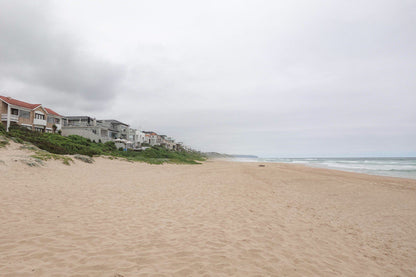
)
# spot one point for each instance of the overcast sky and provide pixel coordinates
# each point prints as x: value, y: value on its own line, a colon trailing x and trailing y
x: 270, y: 78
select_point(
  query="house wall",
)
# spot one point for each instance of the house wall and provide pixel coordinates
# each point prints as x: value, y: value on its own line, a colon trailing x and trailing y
x: 23, y: 120
x: 86, y: 132
x: 50, y: 124
x: 3, y: 110
x: 139, y: 137
x: 3, y: 107
x: 39, y: 109
x: 32, y: 117
x: 54, y: 118
x: 154, y: 140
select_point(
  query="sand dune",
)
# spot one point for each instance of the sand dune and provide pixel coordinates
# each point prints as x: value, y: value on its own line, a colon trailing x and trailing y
x: 115, y: 218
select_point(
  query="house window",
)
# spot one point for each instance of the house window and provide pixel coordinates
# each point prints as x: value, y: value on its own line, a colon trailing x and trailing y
x: 14, y: 111
x: 57, y: 121
x: 39, y: 116
x: 37, y: 129
x: 24, y: 114
x: 50, y: 119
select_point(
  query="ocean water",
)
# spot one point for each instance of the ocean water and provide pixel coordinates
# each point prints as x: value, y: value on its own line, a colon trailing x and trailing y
x: 394, y: 167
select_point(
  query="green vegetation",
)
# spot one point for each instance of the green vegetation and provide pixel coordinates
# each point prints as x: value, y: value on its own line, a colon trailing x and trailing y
x: 160, y: 155
x: 83, y: 158
x: 33, y: 162
x: 60, y: 145
x: 3, y: 142
x: 44, y: 156
x: 28, y: 146
x: 17, y: 140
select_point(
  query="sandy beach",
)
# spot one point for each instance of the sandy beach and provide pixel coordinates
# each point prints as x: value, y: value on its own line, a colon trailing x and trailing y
x: 116, y: 218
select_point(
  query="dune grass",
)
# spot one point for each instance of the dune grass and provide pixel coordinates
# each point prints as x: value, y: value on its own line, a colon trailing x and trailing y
x: 45, y: 156
x: 3, y: 142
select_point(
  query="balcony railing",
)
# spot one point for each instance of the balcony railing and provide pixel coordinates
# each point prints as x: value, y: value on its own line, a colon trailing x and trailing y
x: 41, y: 122
x: 13, y: 117
x: 78, y: 124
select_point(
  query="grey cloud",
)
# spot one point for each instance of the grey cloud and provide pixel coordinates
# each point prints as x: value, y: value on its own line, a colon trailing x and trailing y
x: 40, y: 56
x: 270, y: 78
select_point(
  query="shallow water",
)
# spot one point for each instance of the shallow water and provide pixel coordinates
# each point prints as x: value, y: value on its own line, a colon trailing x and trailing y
x: 394, y: 167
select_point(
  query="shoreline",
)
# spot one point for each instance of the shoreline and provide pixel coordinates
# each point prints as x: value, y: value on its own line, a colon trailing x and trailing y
x: 219, y: 218
x: 315, y: 166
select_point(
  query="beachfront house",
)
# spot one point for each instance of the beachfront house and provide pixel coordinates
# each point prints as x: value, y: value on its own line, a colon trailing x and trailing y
x: 136, y: 138
x: 168, y: 142
x: 131, y: 137
x: 139, y: 138
x: 152, y: 138
x: 34, y: 117
x: 100, y: 130
x: 180, y: 147
x: 53, y: 121
x: 116, y: 129
x: 85, y: 126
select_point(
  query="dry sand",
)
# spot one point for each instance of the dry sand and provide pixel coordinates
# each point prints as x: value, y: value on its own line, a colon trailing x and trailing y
x: 216, y: 219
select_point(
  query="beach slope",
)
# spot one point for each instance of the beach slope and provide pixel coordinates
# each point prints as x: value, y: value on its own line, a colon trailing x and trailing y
x: 215, y: 219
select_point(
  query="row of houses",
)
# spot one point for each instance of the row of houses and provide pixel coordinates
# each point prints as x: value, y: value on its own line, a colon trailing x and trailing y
x: 39, y: 118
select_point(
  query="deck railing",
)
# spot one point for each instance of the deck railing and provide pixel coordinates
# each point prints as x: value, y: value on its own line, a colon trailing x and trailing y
x: 13, y: 117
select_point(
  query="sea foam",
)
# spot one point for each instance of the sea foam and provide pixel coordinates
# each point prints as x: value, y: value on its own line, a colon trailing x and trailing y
x: 395, y: 167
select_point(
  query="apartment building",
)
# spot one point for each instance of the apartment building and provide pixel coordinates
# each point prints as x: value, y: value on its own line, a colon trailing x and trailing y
x: 86, y: 127
x: 97, y: 130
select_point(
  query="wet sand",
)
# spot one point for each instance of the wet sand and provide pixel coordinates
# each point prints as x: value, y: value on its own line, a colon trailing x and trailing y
x: 215, y: 219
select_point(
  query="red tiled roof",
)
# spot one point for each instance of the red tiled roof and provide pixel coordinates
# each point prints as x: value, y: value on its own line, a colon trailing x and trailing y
x: 50, y: 111
x: 15, y: 102
x: 19, y: 103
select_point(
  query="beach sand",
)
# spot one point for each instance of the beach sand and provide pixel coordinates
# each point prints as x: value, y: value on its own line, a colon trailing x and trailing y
x: 116, y: 218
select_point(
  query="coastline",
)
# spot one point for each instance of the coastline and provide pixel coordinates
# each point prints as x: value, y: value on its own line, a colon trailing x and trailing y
x: 399, y: 171
x: 220, y: 218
